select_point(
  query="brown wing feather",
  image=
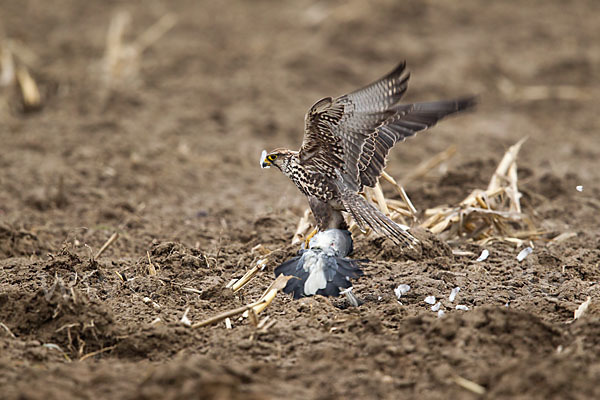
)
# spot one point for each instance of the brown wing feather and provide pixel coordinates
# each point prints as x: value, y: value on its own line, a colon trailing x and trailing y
x: 354, y: 133
x: 336, y: 130
x: 407, y: 120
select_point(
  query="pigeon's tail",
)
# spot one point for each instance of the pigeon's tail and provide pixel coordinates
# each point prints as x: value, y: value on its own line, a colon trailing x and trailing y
x: 315, y: 272
x: 339, y: 278
x: 293, y: 267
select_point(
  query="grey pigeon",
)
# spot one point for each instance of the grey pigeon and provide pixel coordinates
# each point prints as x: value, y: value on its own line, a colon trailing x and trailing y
x: 322, y: 268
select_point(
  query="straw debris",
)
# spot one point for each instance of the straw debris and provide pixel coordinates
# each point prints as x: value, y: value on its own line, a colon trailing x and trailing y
x: 15, y: 70
x: 484, y: 216
x: 121, y: 61
x: 253, y: 309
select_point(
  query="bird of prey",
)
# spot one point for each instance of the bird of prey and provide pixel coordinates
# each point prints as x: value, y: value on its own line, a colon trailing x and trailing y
x: 346, y: 143
x: 322, y: 268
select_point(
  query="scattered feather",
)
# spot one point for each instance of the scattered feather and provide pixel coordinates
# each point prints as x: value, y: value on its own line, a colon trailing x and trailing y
x: 401, y: 289
x: 453, y: 294
x: 582, y: 308
x: 524, y: 253
x: 350, y: 296
x: 483, y: 256
x: 184, y: 319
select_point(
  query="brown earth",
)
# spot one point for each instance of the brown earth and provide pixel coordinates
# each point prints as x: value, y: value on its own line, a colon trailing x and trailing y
x: 170, y: 162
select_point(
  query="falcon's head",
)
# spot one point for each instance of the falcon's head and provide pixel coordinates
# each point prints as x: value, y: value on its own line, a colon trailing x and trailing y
x: 278, y: 157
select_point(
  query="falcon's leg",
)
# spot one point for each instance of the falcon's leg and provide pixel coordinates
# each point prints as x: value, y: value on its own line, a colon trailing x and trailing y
x: 326, y: 216
x: 310, y: 236
x: 366, y: 215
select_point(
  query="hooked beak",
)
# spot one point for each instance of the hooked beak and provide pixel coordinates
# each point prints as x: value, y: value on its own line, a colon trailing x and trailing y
x: 264, y: 163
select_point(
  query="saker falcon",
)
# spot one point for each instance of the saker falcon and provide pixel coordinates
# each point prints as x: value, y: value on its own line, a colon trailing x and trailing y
x: 345, y: 146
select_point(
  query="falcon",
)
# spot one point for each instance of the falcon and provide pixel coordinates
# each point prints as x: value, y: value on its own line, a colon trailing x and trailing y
x: 346, y: 143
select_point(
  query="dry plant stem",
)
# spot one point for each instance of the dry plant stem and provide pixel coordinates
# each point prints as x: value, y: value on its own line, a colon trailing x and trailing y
x: 515, y: 204
x: 151, y: 268
x: 7, y: 329
x: 401, y: 192
x: 7, y: 64
x: 121, y: 60
x: 501, y: 171
x: 303, y: 227
x: 252, y: 316
x: 155, y: 32
x: 424, y: 168
x: 105, y: 246
x: 582, y: 308
x: 469, y: 385
x: 245, y: 279
x: 95, y: 353
x: 561, y: 238
x: 227, y: 314
x: 267, y: 297
x: 114, y: 44
x: 398, y: 212
x: 29, y: 89
x: 380, y: 198
x: 490, y: 215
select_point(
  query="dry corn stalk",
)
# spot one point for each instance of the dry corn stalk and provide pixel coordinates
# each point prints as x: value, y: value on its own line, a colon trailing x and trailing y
x: 259, y: 264
x: 304, y: 227
x: 487, y: 215
x: 121, y: 61
x: 256, y: 307
x: 14, y: 61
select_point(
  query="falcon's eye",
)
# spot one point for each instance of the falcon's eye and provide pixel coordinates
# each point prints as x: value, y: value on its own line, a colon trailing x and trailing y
x: 272, y: 157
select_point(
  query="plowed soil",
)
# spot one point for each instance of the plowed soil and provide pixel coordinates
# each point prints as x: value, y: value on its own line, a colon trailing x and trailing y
x: 169, y: 161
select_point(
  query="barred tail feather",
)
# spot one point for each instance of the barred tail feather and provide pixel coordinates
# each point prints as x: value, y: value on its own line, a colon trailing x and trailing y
x: 366, y: 215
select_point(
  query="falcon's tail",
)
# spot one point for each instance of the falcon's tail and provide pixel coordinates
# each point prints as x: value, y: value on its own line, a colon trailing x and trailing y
x: 366, y: 215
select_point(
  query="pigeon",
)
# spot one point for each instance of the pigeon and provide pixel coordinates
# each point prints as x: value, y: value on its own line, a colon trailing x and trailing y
x: 322, y: 268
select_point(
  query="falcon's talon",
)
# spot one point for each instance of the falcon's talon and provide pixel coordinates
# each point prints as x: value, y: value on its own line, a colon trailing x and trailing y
x: 345, y: 148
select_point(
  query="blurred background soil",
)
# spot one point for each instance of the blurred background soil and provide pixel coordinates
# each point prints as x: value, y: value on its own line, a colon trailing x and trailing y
x: 167, y: 156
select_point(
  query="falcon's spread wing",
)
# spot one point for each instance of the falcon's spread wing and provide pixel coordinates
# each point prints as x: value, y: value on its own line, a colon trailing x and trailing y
x: 354, y: 133
x: 336, y: 129
x: 348, y: 139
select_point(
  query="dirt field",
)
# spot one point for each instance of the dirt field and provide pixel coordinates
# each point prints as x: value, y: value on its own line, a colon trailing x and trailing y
x: 170, y: 162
